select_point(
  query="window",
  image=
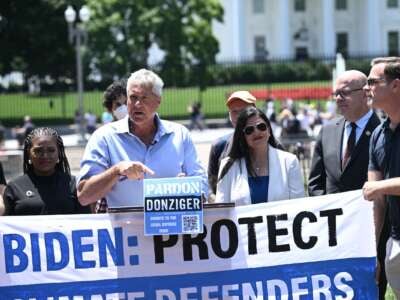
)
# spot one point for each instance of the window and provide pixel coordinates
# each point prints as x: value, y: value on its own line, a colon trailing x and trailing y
x: 392, y: 3
x: 299, y: 5
x: 393, y: 43
x: 341, y: 4
x: 260, y: 51
x: 342, y: 43
x: 301, y: 53
x: 258, y: 6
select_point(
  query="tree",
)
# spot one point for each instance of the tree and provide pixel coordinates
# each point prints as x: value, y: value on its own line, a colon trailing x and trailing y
x: 122, y: 31
x: 186, y: 36
x: 34, y: 39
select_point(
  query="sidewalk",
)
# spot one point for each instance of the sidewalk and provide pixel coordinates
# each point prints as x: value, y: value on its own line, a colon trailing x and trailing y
x: 72, y: 140
x: 11, y: 155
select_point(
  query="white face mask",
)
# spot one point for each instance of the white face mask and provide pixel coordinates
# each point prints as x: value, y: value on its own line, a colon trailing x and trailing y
x: 120, y: 112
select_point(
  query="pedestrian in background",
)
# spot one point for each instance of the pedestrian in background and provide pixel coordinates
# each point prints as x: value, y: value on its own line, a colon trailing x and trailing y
x: 114, y: 99
x: 196, y: 116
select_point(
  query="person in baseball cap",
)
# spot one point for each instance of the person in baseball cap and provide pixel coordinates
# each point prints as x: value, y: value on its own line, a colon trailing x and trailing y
x: 236, y: 102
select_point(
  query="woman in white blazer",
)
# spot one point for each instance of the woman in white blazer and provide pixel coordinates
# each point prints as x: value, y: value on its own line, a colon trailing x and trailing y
x: 256, y: 169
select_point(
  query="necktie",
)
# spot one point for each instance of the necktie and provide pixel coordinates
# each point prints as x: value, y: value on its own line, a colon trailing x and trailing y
x: 351, y: 142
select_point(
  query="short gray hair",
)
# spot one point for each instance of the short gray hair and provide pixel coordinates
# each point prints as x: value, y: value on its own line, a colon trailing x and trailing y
x: 384, y: 59
x: 147, y: 79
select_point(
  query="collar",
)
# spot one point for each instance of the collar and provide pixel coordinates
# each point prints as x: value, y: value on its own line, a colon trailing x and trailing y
x: 163, y: 127
x: 386, y: 125
x: 361, y: 122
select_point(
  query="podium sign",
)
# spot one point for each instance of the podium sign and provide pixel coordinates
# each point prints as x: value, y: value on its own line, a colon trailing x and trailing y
x: 173, y: 206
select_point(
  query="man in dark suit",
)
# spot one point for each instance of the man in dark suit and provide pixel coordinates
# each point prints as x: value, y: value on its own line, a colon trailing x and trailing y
x: 333, y: 168
x: 341, y: 153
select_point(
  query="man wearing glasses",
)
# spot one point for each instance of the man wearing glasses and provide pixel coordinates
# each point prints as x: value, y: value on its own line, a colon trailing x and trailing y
x: 340, y: 159
x: 383, y: 186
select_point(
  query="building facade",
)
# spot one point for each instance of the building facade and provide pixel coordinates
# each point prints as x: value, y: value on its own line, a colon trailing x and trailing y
x: 280, y: 29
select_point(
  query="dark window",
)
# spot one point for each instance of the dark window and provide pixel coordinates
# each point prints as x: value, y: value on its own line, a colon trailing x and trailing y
x: 392, y: 3
x: 258, y: 6
x: 342, y: 43
x: 301, y: 53
x: 300, y: 5
x: 341, y: 4
x: 260, y: 50
x: 393, y: 43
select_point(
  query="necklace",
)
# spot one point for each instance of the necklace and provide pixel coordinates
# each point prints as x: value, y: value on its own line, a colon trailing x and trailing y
x: 260, y: 171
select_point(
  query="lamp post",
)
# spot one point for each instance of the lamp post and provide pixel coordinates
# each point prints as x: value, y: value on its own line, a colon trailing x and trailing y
x: 77, y: 32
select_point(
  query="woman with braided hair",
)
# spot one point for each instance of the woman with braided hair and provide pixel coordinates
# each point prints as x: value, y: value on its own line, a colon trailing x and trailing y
x: 47, y: 186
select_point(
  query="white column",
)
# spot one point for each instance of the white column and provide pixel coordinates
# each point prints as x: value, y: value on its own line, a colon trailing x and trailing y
x: 328, y: 29
x: 238, y: 39
x: 284, y: 35
x: 372, y: 34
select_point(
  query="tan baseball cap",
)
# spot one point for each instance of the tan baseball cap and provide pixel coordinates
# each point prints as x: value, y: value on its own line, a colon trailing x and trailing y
x: 244, y: 96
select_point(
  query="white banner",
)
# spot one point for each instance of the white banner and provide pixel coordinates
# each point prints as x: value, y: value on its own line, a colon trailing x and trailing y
x: 311, y: 248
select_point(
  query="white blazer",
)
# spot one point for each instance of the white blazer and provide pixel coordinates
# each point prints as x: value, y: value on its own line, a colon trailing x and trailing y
x: 285, y: 179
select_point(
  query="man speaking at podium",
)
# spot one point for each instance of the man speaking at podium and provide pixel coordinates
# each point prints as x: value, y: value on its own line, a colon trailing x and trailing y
x: 120, y: 154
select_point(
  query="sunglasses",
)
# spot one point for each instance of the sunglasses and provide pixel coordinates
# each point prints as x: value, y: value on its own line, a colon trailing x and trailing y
x: 374, y: 81
x: 250, y: 129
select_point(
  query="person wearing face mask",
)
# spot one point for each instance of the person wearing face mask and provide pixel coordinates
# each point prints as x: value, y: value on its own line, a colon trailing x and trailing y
x: 114, y: 99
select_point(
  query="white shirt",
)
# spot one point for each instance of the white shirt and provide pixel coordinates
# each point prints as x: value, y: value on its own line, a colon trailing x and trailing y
x: 361, y: 123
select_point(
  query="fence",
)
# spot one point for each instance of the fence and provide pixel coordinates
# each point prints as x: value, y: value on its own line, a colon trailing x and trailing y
x: 308, y: 81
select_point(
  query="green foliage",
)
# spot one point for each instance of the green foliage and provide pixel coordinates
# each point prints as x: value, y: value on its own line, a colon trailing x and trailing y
x: 280, y: 71
x: 173, y: 105
x: 31, y: 30
x: 121, y: 32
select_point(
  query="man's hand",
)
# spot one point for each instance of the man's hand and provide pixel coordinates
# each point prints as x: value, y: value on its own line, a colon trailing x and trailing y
x: 133, y: 169
x: 372, y: 190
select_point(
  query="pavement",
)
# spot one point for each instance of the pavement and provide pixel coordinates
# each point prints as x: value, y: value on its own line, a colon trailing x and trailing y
x: 11, y: 155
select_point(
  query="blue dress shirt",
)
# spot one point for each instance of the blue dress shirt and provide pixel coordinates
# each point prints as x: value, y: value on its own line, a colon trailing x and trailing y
x: 171, y: 152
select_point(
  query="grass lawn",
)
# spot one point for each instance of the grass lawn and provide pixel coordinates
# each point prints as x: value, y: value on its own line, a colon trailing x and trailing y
x: 174, y: 103
x: 389, y: 294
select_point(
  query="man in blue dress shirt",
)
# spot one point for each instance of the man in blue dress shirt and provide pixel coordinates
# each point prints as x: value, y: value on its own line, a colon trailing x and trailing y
x: 141, y: 145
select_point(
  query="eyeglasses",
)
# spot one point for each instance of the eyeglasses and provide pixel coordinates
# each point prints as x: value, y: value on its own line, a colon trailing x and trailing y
x: 250, y: 129
x: 344, y: 93
x: 374, y: 81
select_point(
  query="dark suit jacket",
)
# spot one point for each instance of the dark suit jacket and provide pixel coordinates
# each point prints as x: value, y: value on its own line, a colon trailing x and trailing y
x: 326, y: 174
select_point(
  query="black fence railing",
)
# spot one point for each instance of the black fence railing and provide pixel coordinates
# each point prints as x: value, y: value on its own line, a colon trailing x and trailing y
x: 307, y: 80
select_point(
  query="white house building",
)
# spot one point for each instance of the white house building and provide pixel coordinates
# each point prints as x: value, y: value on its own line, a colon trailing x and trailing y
x: 257, y: 29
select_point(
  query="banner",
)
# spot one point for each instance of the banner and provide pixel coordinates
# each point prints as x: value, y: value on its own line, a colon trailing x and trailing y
x: 311, y: 248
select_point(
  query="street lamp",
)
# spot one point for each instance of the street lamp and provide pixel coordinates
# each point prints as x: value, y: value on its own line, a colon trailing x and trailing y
x: 77, y: 32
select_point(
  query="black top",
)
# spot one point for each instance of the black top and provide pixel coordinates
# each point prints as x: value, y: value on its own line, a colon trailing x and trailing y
x: 218, y: 151
x: 385, y: 157
x: 2, y: 178
x: 30, y: 194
